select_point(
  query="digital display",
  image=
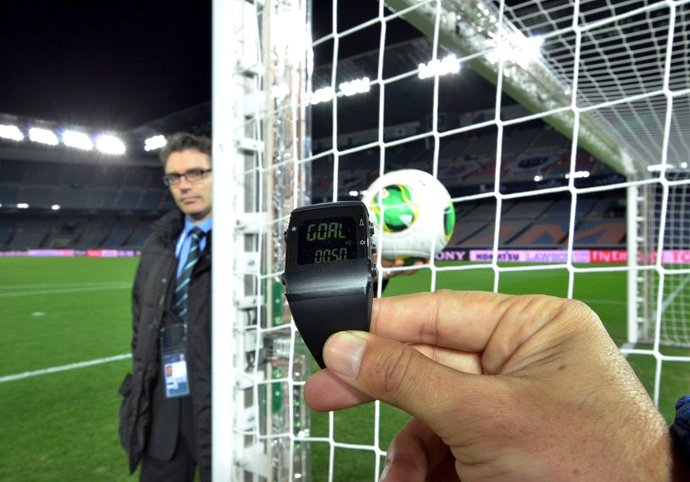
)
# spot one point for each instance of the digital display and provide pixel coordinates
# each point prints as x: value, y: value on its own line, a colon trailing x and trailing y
x: 326, y: 240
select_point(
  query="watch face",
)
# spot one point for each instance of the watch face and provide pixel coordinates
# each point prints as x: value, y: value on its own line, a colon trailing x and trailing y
x: 326, y: 240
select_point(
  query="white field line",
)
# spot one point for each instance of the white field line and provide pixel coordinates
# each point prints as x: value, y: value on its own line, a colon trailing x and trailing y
x: 64, y: 368
x: 58, y: 291
x: 60, y: 285
x: 603, y: 302
x: 674, y: 295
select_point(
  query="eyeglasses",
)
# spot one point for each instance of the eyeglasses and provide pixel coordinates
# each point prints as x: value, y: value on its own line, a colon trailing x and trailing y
x: 193, y: 175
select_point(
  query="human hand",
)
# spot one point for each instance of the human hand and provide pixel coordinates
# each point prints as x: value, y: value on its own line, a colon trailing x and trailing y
x: 509, y: 388
x: 398, y: 263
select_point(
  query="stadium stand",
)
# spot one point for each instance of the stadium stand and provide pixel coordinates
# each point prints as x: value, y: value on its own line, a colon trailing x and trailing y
x: 7, y: 227
x: 544, y: 233
x: 30, y: 233
x: 454, y: 148
x: 465, y: 230
x: 71, y: 197
x: 151, y: 199
x: 549, y: 138
x: 38, y: 195
x: 120, y: 233
x: 9, y: 195
x: 485, y: 237
x: 517, y: 140
x: 482, y: 212
x: 484, y: 145
x: 78, y: 177
x: 601, y: 207
x: 95, y: 232
x: 137, y: 178
x: 462, y: 209
x: 139, y: 235
x: 525, y: 209
x: 11, y: 171
x: 110, y: 205
x: 48, y: 174
x: 595, y: 233
x: 127, y: 200
x: 64, y: 233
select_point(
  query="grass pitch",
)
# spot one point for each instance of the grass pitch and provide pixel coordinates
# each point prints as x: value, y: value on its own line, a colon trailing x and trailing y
x: 62, y: 311
x: 55, y: 312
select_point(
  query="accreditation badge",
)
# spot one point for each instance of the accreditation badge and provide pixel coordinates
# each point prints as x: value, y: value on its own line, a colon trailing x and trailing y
x: 174, y: 361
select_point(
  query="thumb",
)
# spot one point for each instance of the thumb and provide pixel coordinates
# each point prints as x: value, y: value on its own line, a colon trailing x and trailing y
x: 400, y: 375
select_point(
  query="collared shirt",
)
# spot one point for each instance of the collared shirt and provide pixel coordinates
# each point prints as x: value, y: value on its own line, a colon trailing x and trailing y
x: 184, y: 242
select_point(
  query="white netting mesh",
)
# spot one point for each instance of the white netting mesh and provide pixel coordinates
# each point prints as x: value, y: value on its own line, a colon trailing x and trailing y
x: 632, y: 62
x: 665, y: 291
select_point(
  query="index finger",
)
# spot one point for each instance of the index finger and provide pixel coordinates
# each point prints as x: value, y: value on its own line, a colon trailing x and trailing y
x: 461, y: 320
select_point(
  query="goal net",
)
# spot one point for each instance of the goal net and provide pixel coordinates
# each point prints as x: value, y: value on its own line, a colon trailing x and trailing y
x: 559, y: 128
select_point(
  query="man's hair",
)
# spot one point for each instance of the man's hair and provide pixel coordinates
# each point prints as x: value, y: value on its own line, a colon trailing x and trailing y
x: 182, y: 141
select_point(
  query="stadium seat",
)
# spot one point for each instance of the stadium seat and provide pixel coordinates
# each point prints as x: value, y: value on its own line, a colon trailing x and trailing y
x: 600, y: 233
x: 545, y: 233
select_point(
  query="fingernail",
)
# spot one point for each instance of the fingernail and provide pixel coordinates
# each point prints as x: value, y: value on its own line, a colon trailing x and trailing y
x: 343, y: 353
x: 386, y: 467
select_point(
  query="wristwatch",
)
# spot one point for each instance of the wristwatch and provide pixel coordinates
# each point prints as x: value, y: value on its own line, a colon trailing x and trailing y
x: 329, y: 273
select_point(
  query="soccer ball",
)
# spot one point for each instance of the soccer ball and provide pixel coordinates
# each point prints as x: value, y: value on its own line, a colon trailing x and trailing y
x: 414, y: 211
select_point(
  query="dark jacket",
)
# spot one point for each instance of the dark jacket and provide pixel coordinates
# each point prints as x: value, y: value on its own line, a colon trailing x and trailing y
x: 141, y: 429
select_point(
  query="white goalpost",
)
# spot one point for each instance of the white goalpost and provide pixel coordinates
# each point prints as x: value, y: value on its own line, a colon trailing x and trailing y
x: 612, y: 77
x: 259, y: 128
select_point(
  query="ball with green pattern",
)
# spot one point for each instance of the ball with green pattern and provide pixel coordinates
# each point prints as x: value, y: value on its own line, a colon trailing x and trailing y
x: 412, y: 213
x: 399, y: 212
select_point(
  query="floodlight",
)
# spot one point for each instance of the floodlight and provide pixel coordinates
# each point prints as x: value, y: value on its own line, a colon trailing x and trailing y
x: 657, y: 167
x: 11, y: 132
x: 322, y: 95
x: 43, y: 136
x: 155, y: 142
x: 55, y: 207
x: 77, y: 139
x: 110, y: 145
x: 359, y: 86
x: 22, y: 205
x: 578, y: 175
x: 449, y: 65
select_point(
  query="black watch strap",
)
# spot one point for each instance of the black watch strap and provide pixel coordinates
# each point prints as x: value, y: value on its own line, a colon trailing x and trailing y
x: 345, y: 311
x: 318, y: 313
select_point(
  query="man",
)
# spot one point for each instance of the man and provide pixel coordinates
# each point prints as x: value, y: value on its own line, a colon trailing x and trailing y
x: 165, y: 418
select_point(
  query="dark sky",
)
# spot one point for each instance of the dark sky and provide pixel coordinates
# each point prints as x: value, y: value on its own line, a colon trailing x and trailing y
x: 120, y: 64
x: 115, y: 64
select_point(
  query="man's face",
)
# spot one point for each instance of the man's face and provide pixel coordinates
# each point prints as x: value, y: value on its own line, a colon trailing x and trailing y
x: 193, y: 198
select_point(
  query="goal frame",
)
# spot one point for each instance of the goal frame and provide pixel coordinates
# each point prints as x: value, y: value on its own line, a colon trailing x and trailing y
x: 246, y: 237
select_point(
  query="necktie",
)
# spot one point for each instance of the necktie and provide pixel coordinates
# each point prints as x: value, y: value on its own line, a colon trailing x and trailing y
x: 182, y: 285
